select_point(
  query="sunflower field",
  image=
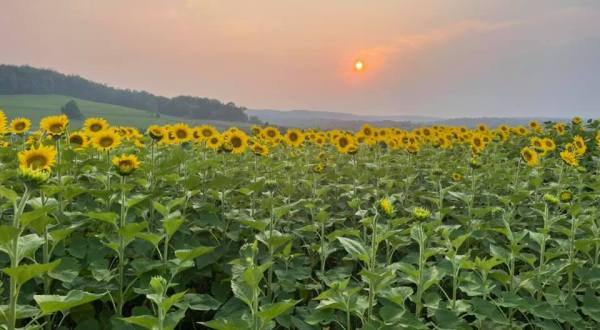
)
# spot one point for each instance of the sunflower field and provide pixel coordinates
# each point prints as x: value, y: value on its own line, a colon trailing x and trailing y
x: 178, y: 227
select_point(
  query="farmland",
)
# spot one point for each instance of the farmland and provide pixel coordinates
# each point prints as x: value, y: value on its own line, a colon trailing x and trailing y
x: 179, y: 227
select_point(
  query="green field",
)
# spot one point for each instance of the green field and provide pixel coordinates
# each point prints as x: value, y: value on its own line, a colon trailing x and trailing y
x: 35, y: 107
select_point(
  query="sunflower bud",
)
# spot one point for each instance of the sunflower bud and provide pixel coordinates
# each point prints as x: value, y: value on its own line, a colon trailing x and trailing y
x: 551, y: 199
x: 475, y: 163
x: 386, y: 207
x: 457, y: 177
x: 566, y: 196
x: 318, y: 168
x: 126, y: 164
x: 421, y: 213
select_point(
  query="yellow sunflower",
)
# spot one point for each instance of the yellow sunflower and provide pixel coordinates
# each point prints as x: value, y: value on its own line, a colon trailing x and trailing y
x: 2, y: 122
x: 237, y: 139
x: 205, y: 132
x: 106, y: 140
x: 345, y: 144
x: 95, y: 125
x: 155, y: 132
x: 570, y: 158
x: 125, y: 164
x: 182, y: 132
x: 40, y: 158
x: 214, y: 142
x: 294, y: 137
x: 55, y: 126
x: 20, y: 125
x: 260, y: 150
x: 530, y: 156
x: 79, y: 139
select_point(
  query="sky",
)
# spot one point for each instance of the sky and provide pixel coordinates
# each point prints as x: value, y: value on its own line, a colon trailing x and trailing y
x: 447, y: 58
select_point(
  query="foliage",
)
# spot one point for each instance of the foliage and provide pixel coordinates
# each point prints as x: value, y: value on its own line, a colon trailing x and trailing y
x: 440, y: 227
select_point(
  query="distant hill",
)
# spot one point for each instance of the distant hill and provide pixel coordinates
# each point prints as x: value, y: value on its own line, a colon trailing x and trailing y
x: 348, y: 121
x: 26, y: 80
x: 35, y: 107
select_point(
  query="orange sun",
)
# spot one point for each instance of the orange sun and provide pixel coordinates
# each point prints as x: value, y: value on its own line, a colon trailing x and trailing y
x: 359, y: 65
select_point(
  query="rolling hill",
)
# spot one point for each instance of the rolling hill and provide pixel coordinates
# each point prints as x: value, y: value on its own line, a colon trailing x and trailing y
x: 35, y: 107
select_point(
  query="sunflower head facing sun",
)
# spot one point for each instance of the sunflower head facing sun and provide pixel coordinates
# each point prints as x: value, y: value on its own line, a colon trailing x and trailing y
x: 95, y: 125
x: 125, y: 164
x: 79, y: 140
x: 182, y: 132
x: 237, y: 140
x: 20, y: 125
x: 106, y: 140
x: 55, y: 126
x: 155, y: 132
x: 41, y: 158
x: 294, y: 137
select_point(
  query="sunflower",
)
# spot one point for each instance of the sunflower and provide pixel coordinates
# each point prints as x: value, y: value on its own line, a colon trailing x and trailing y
x: 182, y: 132
x: 548, y: 145
x: 205, y: 132
x: 106, y: 140
x: 386, y: 207
x: 560, y: 128
x: 34, y: 138
x: 294, y: 137
x: 20, y: 125
x: 580, y: 147
x: 214, y: 142
x: 457, y: 177
x: 155, y: 132
x: 40, y: 158
x: 421, y: 213
x: 2, y: 122
x: 256, y: 130
x: 95, y: 125
x: 55, y: 126
x: 576, y: 121
x: 530, y: 156
x: 570, y: 158
x: 125, y: 164
x: 79, y: 139
x: 366, y: 130
x: 260, y: 150
x: 345, y: 143
x: 238, y: 141
x: 271, y: 134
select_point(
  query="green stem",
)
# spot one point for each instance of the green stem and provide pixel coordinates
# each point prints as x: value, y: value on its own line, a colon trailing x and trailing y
x: 14, y: 262
x: 121, y: 267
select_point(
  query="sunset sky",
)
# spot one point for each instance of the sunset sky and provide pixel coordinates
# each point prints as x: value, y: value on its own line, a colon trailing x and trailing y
x: 443, y: 58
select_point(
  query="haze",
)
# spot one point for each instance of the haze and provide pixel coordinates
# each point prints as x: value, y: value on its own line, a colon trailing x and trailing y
x: 436, y: 58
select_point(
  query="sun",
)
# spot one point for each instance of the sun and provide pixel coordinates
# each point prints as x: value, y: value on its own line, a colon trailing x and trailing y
x: 359, y: 65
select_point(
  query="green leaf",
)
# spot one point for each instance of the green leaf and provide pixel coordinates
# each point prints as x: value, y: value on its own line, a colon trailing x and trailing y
x: 144, y: 321
x: 591, y: 305
x: 228, y: 324
x: 133, y: 201
x: 24, y: 273
x: 271, y: 311
x: 355, y: 249
x: 108, y: 217
x: 7, y: 234
x: 171, y: 226
x: 50, y: 304
x: 9, y: 194
x: 201, y: 302
x: 185, y: 255
x: 160, y: 208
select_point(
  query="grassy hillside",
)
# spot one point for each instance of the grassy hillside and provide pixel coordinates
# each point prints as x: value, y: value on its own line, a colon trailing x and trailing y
x: 35, y: 107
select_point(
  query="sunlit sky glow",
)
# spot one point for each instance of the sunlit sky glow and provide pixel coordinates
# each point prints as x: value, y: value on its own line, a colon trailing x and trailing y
x: 444, y: 58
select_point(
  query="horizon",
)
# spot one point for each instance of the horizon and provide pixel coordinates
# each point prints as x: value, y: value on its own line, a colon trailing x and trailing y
x: 431, y: 59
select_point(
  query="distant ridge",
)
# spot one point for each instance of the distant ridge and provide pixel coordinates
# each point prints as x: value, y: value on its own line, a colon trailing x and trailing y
x: 329, y: 120
x: 27, y: 80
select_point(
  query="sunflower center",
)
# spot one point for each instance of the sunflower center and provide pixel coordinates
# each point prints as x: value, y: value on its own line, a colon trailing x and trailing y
x: 343, y: 142
x: 293, y: 136
x: 95, y: 127
x: 106, y: 141
x: 76, y: 139
x: 181, y: 134
x: 236, y: 142
x: 56, y: 128
x: 37, y: 161
x: 20, y: 126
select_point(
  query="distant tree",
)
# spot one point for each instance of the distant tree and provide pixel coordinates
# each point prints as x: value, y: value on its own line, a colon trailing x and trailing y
x: 71, y: 109
x: 29, y: 80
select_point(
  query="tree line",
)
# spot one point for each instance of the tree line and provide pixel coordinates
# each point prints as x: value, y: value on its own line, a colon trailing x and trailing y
x: 29, y: 80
